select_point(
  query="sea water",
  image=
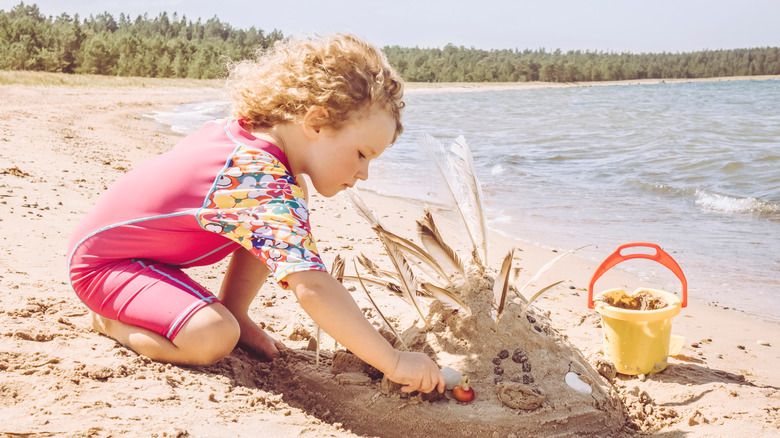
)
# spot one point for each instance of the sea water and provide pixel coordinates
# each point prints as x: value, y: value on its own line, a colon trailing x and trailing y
x: 693, y: 167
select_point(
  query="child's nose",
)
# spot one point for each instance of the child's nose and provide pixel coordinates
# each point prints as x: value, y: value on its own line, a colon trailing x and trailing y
x: 362, y: 173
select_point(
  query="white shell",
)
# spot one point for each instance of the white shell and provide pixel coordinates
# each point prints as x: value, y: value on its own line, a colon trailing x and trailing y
x: 451, y: 377
x: 573, y: 380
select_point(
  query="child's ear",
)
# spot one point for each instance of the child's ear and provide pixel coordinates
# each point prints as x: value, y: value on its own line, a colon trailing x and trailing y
x: 316, y: 117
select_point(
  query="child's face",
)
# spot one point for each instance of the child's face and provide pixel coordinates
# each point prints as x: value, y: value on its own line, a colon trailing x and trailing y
x: 340, y: 157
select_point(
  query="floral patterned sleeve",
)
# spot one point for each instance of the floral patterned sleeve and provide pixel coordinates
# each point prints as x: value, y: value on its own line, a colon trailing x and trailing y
x: 257, y: 203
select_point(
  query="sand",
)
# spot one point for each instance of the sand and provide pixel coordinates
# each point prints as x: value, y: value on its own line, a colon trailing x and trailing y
x: 60, y: 146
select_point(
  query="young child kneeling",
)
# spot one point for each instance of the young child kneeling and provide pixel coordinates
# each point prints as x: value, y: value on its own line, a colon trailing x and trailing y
x: 321, y: 107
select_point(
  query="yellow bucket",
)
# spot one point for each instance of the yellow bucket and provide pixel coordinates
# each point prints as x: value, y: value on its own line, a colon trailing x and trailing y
x: 637, y: 341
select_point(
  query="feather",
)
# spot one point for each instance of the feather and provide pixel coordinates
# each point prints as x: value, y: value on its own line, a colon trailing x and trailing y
x: 361, y: 207
x: 386, y: 236
x: 317, y: 348
x: 458, y: 172
x: 375, y: 270
x: 368, y: 264
x: 338, y: 268
x: 538, y: 274
x: 387, y: 323
x: 412, y: 249
x: 537, y: 295
x: 408, y: 282
x: 446, y: 297
x: 501, y: 285
x: 545, y: 268
x: 389, y: 285
x: 438, y: 249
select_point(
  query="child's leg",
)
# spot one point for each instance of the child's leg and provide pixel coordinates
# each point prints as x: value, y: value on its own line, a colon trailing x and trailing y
x: 160, y: 312
x: 244, y: 277
x: 207, y: 337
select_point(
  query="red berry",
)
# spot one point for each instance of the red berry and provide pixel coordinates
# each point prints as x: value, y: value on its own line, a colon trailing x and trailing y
x: 463, y: 392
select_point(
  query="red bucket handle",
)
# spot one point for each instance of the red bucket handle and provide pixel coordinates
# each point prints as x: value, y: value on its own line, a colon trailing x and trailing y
x: 660, y: 256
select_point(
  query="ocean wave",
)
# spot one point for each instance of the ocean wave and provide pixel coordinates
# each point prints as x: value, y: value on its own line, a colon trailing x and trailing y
x: 187, y: 118
x: 730, y: 204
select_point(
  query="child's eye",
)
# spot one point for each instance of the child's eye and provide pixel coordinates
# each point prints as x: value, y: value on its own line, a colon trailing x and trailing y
x: 360, y: 155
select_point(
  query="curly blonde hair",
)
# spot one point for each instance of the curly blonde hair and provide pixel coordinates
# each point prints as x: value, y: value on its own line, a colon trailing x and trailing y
x: 340, y: 73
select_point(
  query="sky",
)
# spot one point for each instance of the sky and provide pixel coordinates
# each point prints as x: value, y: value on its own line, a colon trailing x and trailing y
x: 595, y: 25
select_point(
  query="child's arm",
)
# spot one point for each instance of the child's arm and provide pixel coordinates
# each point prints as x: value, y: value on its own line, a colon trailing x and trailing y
x: 243, y: 279
x: 333, y: 309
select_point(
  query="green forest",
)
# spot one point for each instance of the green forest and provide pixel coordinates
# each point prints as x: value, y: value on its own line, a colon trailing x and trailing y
x: 174, y: 47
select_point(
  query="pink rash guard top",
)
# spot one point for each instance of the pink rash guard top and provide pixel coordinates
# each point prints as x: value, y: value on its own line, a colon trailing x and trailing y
x: 219, y: 189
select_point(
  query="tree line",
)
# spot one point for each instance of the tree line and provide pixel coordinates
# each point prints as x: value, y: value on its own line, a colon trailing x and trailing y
x: 172, y: 46
x: 163, y: 46
x: 459, y: 64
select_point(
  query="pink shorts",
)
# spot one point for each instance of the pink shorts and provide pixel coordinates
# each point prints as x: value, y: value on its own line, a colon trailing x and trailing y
x: 146, y: 294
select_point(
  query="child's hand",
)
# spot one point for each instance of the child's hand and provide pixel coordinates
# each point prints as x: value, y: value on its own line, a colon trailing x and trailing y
x: 417, y: 372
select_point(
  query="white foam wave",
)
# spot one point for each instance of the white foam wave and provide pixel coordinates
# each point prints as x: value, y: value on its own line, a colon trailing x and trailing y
x: 187, y: 118
x: 730, y: 204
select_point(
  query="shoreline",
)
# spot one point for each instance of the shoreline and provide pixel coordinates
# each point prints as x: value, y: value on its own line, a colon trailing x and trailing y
x: 34, y: 78
x: 420, y: 87
x: 60, y: 377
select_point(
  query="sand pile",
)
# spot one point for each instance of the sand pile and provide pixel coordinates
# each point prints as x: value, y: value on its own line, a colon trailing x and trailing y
x: 525, y: 374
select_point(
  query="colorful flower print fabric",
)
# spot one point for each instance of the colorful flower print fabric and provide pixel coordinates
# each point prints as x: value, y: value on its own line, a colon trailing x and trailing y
x: 257, y: 203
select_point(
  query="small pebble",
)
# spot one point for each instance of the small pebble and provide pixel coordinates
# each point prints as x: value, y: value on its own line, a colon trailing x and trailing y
x: 452, y: 377
x: 503, y: 354
x: 741, y: 347
x: 498, y: 370
x: 498, y: 379
x: 530, y: 318
x: 527, y: 379
x: 496, y: 361
x: 764, y: 343
x: 519, y: 357
x: 695, y: 345
x: 537, y: 328
x: 526, y: 367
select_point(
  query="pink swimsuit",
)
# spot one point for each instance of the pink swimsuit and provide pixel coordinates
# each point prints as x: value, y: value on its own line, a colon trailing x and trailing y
x: 217, y: 190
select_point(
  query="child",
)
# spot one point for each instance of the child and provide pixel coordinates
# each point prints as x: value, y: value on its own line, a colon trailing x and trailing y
x: 323, y: 108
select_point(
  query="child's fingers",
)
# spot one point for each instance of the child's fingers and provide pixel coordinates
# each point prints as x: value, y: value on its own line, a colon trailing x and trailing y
x: 441, y: 385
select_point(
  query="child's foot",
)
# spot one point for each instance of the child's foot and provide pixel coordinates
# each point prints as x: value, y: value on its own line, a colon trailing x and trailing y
x: 100, y: 324
x: 257, y: 340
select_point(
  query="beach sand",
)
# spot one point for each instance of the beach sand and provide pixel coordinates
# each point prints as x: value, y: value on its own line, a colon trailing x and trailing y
x: 61, y: 146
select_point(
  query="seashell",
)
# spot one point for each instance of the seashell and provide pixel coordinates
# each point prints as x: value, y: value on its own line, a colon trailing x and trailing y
x: 451, y: 377
x: 519, y: 396
x: 574, y: 381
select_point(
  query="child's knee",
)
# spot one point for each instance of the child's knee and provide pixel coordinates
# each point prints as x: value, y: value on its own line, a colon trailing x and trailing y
x: 209, y: 336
